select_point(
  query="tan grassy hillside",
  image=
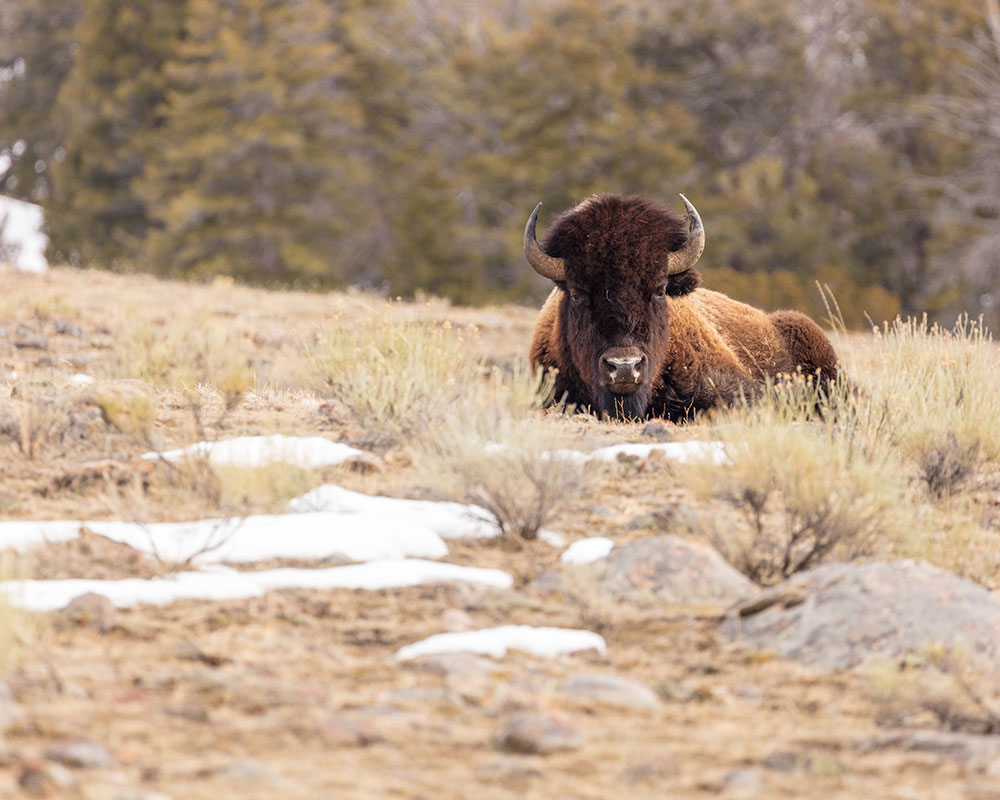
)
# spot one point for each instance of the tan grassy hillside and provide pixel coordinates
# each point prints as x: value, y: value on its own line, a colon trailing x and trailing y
x: 297, y: 693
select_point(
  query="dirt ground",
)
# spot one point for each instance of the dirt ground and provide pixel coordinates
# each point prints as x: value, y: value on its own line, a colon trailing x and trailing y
x: 298, y: 693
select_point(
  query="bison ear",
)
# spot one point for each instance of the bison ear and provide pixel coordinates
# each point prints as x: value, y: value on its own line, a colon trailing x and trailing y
x: 683, y: 283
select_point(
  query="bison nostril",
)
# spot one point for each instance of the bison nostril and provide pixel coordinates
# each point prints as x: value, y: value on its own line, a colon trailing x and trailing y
x: 624, y: 369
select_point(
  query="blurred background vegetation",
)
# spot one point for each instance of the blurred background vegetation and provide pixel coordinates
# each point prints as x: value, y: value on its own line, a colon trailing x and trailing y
x: 399, y: 145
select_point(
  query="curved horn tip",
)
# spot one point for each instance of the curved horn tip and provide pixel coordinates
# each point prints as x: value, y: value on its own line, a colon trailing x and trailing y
x: 685, y: 258
x: 544, y: 264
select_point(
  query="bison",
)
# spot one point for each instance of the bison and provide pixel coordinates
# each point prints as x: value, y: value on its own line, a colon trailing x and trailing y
x: 630, y: 332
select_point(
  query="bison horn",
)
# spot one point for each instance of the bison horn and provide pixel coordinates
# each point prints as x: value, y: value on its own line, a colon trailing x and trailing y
x: 545, y: 265
x: 685, y: 258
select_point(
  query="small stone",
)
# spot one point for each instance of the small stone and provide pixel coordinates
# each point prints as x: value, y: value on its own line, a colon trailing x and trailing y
x: 91, y: 610
x: 195, y: 712
x: 455, y: 619
x: 26, y: 340
x: 743, y: 783
x: 418, y: 698
x: 657, y: 430
x: 81, y: 754
x: 549, y: 582
x: 9, y: 712
x: 140, y: 794
x: 249, y: 770
x: 611, y: 690
x: 65, y: 327
x: 651, y: 769
x: 528, y: 733
x: 342, y: 731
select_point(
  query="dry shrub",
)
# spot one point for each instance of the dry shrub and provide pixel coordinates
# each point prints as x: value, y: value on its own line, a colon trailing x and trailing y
x: 493, y: 449
x: 398, y: 379
x: 940, y: 686
x: 804, y: 491
x: 935, y: 393
x: 39, y: 420
x: 187, y: 352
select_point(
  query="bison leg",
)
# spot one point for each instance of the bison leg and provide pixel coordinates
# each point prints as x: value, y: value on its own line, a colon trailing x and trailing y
x: 808, y: 346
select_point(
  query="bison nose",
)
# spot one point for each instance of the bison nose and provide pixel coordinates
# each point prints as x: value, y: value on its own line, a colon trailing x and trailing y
x: 623, y: 369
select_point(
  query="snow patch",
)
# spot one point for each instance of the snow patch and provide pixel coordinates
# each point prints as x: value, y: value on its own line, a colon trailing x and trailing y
x: 545, y: 642
x: 681, y: 452
x: 22, y: 242
x: 584, y: 551
x: 224, y: 583
x: 258, y: 451
x: 247, y: 539
x: 448, y: 520
x: 80, y: 379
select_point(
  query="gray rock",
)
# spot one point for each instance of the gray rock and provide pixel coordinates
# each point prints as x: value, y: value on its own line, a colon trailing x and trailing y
x: 91, y: 610
x: 417, y: 698
x: 657, y: 430
x: 140, y: 794
x: 610, y: 690
x: 841, y: 616
x: 345, y: 731
x: 651, y: 770
x: 672, y: 570
x: 743, y: 783
x: 966, y: 748
x: 537, y: 734
x: 9, y: 711
x: 549, y: 582
x: 81, y: 754
x: 249, y: 770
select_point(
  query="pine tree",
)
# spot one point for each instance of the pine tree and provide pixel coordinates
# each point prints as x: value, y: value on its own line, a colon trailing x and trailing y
x: 250, y: 176
x: 36, y: 53
x: 107, y: 107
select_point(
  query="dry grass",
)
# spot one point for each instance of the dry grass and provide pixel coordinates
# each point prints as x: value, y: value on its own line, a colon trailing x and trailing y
x: 806, y: 484
x: 396, y: 378
x: 187, y: 352
x: 493, y: 449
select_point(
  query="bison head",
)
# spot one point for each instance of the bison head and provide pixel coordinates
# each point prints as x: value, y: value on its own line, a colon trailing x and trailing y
x: 617, y: 259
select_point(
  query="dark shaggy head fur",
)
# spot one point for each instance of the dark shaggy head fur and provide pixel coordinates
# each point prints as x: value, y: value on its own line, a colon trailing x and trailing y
x: 615, y: 250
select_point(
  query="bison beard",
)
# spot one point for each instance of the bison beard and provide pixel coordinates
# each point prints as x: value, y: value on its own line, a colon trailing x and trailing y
x: 631, y: 332
x: 626, y: 407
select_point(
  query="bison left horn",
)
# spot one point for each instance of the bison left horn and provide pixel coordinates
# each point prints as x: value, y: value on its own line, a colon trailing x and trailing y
x: 545, y: 265
x: 685, y: 258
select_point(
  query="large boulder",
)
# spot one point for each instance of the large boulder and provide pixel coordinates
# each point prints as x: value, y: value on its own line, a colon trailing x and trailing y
x: 840, y: 616
x: 673, y: 570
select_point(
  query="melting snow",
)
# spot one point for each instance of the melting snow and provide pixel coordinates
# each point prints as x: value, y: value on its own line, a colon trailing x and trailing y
x: 682, y: 452
x: 248, y: 539
x: 584, y: 551
x: 258, y: 451
x: 449, y: 520
x: 21, y: 239
x: 546, y: 642
x: 223, y: 583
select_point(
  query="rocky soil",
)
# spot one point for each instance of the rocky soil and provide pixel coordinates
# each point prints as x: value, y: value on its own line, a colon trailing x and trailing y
x: 852, y: 680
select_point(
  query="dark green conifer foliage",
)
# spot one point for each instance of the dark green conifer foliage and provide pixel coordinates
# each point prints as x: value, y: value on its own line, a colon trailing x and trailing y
x: 36, y: 53
x: 253, y: 175
x: 109, y: 109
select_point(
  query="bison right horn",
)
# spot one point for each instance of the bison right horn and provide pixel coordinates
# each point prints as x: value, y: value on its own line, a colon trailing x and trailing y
x: 545, y: 265
x: 685, y: 258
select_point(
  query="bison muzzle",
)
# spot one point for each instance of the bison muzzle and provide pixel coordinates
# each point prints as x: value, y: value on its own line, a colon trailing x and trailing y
x: 630, y: 332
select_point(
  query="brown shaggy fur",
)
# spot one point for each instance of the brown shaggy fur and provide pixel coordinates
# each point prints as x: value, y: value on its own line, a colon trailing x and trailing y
x: 703, y: 348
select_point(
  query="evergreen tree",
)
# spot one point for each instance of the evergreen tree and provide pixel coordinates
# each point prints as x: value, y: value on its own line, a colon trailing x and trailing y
x: 108, y: 107
x: 250, y: 176
x: 36, y: 53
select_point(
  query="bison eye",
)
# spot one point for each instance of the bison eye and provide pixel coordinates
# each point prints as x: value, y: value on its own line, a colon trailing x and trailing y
x: 660, y: 293
x: 577, y: 297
